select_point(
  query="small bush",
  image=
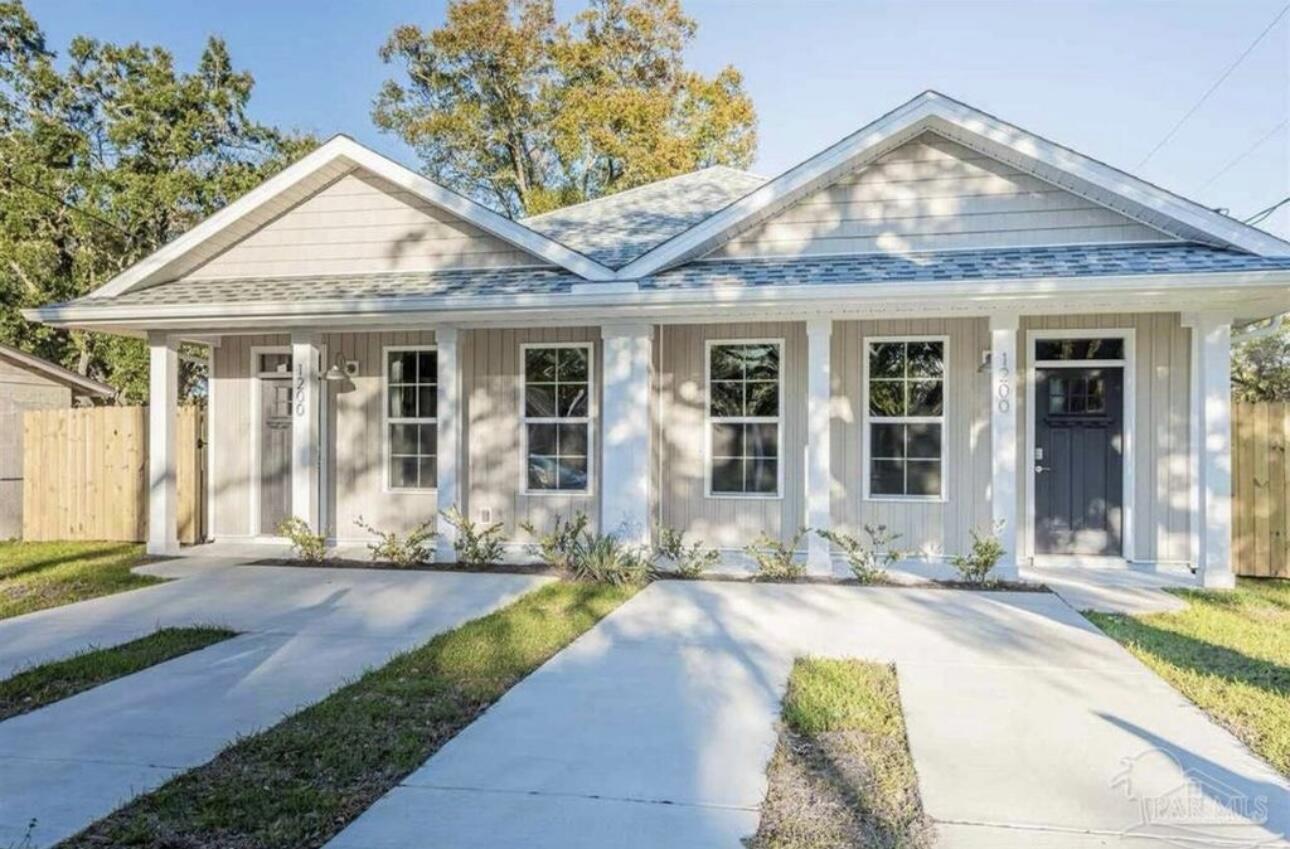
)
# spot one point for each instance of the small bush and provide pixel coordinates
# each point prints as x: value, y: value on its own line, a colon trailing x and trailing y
x: 412, y: 550
x: 604, y: 559
x: 305, y: 544
x: 476, y: 544
x: 559, y: 547
x: 868, y: 562
x: 774, y: 558
x: 690, y: 561
x: 987, y: 551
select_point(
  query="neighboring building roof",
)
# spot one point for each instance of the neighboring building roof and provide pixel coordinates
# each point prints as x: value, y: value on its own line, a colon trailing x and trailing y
x: 78, y: 383
x: 616, y: 229
x: 938, y: 266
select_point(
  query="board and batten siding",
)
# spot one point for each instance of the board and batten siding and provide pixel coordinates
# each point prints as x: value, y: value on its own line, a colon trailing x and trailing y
x: 934, y: 194
x: 492, y: 389
x: 361, y: 224
x: 1162, y: 404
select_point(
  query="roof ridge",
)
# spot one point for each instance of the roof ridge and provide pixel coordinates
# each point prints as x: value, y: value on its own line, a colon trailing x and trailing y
x: 625, y: 192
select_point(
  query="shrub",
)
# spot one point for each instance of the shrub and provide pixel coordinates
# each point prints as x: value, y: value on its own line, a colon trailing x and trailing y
x: 559, y: 547
x: 412, y: 550
x: 305, y: 544
x: 476, y: 544
x: 604, y: 559
x: 690, y: 560
x: 774, y: 558
x: 987, y: 550
x: 868, y: 562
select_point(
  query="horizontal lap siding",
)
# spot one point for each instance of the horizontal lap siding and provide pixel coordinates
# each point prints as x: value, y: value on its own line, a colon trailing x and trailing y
x: 924, y: 527
x: 725, y: 522
x: 492, y: 377
x: 1162, y: 475
x: 933, y: 194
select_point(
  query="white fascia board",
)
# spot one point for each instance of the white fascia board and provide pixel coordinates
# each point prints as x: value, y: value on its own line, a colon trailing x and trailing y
x: 931, y: 110
x: 344, y: 148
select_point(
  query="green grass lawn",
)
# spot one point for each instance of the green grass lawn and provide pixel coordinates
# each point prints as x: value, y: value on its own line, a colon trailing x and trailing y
x: 842, y: 775
x: 303, y: 780
x: 38, y: 575
x: 45, y: 684
x: 1229, y: 652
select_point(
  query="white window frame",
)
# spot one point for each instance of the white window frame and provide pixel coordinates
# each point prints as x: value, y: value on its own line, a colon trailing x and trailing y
x: 943, y: 420
x: 778, y: 420
x: 589, y: 420
x: 386, y: 419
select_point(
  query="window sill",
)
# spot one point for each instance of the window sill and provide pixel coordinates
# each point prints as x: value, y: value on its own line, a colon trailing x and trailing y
x: 752, y: 496
x: 908, y: 499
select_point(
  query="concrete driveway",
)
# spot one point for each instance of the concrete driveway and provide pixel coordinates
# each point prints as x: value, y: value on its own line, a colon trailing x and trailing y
x: 1028, y: 728
x: 304, y: 633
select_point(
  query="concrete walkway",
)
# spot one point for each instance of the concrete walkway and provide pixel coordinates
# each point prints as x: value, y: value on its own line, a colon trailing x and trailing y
x: 305, y: 632
x: 1027, y: 726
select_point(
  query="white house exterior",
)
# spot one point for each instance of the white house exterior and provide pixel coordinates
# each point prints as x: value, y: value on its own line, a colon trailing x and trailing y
x: 941, y: 323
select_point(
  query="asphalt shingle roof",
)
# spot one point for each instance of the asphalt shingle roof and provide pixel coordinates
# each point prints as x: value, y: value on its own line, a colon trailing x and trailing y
x: 933, y: 266
x: 617, y: 229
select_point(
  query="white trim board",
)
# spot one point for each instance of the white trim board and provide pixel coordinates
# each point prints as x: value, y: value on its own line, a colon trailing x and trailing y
x: 1128, y: 425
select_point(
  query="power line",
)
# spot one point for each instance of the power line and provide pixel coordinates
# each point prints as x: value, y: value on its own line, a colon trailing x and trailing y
x: 1199, y: 103
x: 1258, y: 144
x: 68, y: 206
x: 1264, y: 214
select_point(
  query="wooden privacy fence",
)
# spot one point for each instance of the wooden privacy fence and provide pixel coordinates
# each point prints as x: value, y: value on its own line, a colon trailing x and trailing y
x: 85, y: 474
x: 1260, y: 484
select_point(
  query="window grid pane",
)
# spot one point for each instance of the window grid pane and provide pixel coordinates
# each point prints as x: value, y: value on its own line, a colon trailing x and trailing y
x: 906, y: 410
x: 557, y: 412
x: 743, y: 418
x: 412, y: 431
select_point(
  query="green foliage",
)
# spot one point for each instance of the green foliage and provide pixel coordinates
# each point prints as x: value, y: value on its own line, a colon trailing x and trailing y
x: 524, y: 114
x: 775, y: 559
x: 604, y: 559
x: 1261, y: 369
x: 39, y: 575
x: 412, y: 550
x: 868, y: 561
x: 476, y: 544
x: 558, y: 547
x: 307, y: 545
x: 987, y: 550
x: 107, y: 154
x: 690, y: 561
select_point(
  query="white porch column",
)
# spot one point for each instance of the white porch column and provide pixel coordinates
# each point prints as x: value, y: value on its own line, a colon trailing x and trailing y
x: 624, y: 465
x: 448, y: 412
x: 1213, y: 408
x: 1003, y: 439
x: 163, y: 412
x: 819, y: 474
x: 305, y: 449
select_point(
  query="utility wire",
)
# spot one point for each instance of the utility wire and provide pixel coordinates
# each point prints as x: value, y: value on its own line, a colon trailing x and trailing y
x: 1258, y: 144
x: 1264, y: 214
x: 68, y: 206
x: 1199, y: 103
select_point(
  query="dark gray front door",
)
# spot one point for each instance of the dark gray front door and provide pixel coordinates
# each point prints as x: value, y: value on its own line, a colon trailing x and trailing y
x: 275, y: 453
x: 1079, y: 457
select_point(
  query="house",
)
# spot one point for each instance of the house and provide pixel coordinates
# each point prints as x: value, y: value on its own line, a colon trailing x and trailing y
x: 29, y: 383
x: 941, y: 323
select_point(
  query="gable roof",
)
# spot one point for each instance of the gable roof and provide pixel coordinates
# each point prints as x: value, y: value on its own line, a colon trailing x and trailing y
x: 618, y: 228
x: 332, y: 160
x: 972, y: 128
x: 78, y: 383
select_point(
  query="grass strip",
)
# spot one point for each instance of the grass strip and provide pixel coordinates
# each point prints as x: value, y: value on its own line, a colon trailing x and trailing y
x: 841, y: 775
x: 39, y: 575
x: 50, y: 682
x: 300, y: 782
x: 1229, y: 652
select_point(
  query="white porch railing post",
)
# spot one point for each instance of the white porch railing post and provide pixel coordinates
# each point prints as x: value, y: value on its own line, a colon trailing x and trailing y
x: 163, y: 419
x: 305, y: 412
x: 448, y: 413
x: 625, y: 449
x: 819, y: 474
x: 1213, y: 407
x: 1003, y: 439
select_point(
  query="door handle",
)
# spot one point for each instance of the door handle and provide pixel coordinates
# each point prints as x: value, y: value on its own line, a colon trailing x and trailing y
x: 1040, y: 468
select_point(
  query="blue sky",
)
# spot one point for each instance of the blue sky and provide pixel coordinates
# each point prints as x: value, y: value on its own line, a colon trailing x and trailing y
x: 1107, y: 78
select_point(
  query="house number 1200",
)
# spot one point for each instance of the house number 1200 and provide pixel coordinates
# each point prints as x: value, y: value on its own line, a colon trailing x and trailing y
x: 300, y: 389
x: 1003, y: 386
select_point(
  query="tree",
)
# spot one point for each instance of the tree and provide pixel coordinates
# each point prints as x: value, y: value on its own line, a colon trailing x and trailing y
x: 102, y: 163
x: 1261, y: 368
x: 524, y: 114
